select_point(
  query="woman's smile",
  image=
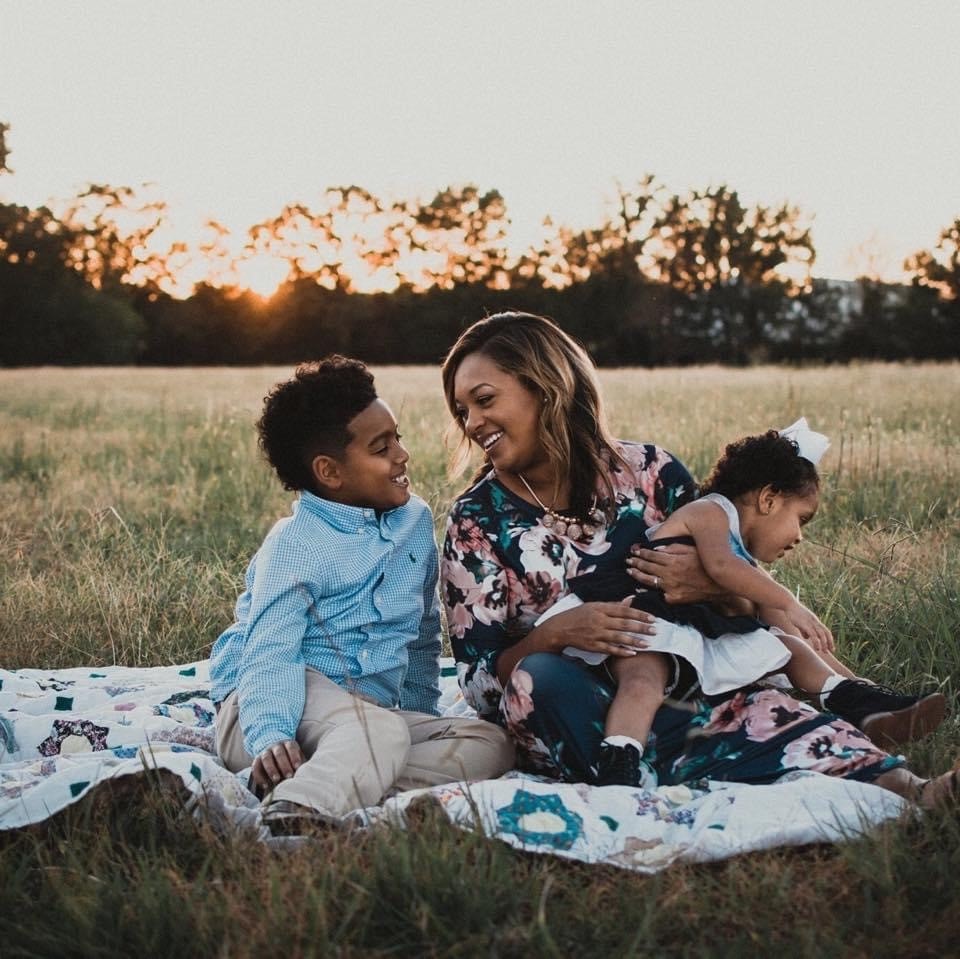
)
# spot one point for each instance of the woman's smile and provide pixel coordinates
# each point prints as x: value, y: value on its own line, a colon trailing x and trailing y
x: 487, y: 442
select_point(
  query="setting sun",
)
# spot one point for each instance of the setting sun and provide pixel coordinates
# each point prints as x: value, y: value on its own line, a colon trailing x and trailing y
x: 262, y: 275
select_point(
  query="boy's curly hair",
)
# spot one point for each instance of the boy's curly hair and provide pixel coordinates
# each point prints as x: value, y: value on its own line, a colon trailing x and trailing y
x: 307, y: 416
x: 768, y: 459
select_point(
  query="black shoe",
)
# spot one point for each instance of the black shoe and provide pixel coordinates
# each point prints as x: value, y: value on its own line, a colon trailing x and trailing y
x: 886, y: 716
x: 623, y: 766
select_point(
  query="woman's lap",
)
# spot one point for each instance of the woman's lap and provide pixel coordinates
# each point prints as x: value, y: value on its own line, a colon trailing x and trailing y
x: 554, y: 708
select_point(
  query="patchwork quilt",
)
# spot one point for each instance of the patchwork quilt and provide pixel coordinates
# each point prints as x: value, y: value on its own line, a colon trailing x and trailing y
x: 63, y: 732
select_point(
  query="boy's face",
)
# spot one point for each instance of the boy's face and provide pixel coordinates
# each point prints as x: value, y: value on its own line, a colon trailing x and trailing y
x: 372, y: 472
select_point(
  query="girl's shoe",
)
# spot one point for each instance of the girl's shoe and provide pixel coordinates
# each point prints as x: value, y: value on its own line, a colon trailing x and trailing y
x: 886, y: 716
x: 623, y: 766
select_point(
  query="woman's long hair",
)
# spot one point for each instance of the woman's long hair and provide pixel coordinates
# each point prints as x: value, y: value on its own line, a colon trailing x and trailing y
x: 551, y: 364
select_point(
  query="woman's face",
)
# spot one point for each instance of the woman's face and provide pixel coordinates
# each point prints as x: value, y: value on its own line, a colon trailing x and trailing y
x: 499, y: 414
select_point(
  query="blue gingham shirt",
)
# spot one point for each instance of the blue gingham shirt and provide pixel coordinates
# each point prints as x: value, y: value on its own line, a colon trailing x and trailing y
x: 345, y: 591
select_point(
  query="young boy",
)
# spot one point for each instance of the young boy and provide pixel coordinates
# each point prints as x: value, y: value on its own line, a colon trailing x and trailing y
x: 326, y: 685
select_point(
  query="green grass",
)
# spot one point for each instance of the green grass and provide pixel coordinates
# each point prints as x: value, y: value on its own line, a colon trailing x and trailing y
x: 130, y: 501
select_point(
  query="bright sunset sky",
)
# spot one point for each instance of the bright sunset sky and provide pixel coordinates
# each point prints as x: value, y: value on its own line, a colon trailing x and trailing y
x: 233, y: 109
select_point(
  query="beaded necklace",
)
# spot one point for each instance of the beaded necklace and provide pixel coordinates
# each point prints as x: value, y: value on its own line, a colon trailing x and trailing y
x: 569, y: 526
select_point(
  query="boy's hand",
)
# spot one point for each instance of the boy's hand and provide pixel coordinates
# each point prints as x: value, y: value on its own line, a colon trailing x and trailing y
x: 276, y: 763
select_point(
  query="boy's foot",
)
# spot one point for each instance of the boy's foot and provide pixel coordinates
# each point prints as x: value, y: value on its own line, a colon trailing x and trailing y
x: 886, y: 716
x: 623, y: 766
x: 284, y: 818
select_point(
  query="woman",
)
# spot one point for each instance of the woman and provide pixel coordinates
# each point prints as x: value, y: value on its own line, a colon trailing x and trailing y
x: 553, y: 500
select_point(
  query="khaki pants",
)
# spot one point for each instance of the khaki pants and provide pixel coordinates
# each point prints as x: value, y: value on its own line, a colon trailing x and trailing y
x: 357, y: 753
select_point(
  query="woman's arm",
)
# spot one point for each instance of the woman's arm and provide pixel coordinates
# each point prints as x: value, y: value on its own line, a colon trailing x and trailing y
x: 664, y: 485
x: 478, y: 589
x: 616, y: 629
x: 677, y: 570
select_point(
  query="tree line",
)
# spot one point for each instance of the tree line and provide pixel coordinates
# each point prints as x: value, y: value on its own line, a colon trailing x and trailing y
x: 665, y: 278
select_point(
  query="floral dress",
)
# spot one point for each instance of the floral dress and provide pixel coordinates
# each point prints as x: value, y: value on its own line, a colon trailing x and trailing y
x: 501, y: 569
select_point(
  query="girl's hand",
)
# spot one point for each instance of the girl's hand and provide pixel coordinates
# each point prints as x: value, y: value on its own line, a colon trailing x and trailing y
x: 676, y: 569
x: 276, y: 763
x: 799, y: 621
x: 613, y: 628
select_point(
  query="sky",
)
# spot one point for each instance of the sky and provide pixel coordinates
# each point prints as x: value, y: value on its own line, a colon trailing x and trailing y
x: 234, y: 109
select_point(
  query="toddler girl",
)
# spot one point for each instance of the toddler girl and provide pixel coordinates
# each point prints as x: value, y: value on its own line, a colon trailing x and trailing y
x: 759, y: 496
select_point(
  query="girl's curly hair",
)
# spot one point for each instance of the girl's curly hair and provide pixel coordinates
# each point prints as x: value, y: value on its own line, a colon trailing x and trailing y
x: 768, y: 459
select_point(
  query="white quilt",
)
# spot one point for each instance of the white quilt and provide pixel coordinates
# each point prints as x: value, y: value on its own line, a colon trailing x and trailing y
x: 63, y: 732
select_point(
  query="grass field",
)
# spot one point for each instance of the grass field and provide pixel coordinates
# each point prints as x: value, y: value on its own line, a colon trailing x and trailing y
x: 130, y: 501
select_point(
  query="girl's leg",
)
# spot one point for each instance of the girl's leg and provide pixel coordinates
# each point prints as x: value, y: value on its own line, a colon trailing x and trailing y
x: 808, y: 670
x: 834, y: 664
x: 641, y: 680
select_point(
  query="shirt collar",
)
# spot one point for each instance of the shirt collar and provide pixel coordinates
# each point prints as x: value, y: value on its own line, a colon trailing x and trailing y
x: 348, y: 519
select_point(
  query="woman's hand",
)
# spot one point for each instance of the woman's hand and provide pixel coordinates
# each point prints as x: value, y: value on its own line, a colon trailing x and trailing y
x: 613, y: 628
x: 276, y: 763
x: 676, y: 569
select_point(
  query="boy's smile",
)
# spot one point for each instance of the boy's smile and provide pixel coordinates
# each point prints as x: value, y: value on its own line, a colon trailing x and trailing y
x: 372, y: 472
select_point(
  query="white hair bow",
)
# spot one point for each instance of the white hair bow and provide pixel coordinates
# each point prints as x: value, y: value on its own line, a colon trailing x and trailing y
x: 810, y: 445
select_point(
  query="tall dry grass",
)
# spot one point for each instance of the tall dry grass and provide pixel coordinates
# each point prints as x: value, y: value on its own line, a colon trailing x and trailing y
x: 130, y: 501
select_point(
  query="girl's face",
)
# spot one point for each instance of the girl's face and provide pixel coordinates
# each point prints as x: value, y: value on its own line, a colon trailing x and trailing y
x: 777, y: 527
x: 499, y: 414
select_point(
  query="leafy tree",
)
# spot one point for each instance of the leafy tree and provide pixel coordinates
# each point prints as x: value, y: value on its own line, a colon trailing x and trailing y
x: 614, y: 248
x: 305, y: 240
x: 940, y: 268
x: 726, y: 259
x: 113, y: 228
x: 462, y: 233
x: 50, y: 314
x: 4, y: 149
